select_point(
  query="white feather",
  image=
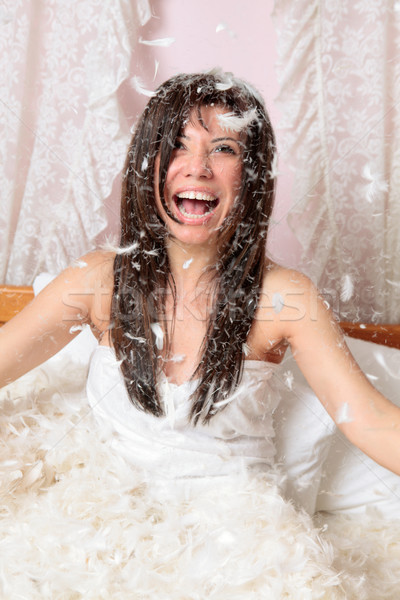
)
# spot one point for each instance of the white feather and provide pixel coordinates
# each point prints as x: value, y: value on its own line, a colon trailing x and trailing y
x: 110, y: 247
x: 137, y: 85
x: 277, y: 302
x: 246, y: 349
x: 76, y: 328
x: 159, y: 334
x: 343, y: 414
x: 164, y: 42
x: 145, y: 163
x: 347, y: 288
x: 288, y: 378
x: 224, y: 27
x: 177, y: 358
x: 187, y: 263
x: 273, y: 173
x: 81, y: 264
x: 232, y: 122
x: 376, y: 187
x: 394, y: 283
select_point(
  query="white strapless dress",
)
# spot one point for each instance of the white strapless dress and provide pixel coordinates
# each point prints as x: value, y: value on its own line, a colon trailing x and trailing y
x: 239, y: 437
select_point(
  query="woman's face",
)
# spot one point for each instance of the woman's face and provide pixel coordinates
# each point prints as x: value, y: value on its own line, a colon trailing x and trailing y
x: 203, y: 178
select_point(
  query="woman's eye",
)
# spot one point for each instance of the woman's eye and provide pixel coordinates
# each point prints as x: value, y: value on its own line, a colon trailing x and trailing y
x: 225, y: 149
x: 178, y: 145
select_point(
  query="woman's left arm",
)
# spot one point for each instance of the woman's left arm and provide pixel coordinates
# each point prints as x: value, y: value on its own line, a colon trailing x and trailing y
x: 366, y: 417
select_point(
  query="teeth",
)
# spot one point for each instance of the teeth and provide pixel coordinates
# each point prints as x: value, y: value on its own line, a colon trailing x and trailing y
x: 192, y: 195
x: 184, y: 212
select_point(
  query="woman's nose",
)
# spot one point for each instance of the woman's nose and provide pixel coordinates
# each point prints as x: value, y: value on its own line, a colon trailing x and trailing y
x: 198, y: 165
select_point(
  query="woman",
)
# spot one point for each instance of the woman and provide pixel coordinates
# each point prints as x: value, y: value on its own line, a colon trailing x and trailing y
x: 189, y: 313
x: 196, y: 202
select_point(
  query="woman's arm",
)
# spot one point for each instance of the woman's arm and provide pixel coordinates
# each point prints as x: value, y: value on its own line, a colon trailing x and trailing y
x: 79, y: 295
x: 364, y: 415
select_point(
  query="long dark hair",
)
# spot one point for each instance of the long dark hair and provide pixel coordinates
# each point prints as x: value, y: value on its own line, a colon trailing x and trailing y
x: 142, y: 276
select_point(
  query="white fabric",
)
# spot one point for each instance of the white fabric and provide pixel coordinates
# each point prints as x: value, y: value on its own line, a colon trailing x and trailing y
x: 238, y: 437
x: 351, y: 482
x: 340, y: 130
x: 78, y: 521
x: 323, y: 470
x: 63, y: 135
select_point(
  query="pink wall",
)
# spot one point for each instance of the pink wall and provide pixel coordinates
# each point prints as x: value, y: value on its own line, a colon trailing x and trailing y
x: 245, y: 44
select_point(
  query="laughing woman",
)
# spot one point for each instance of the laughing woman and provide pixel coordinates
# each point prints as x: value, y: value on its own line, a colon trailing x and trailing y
x: 191, y: 320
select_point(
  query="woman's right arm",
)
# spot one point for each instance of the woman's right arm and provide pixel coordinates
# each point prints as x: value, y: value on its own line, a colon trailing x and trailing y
x: 79, y: 295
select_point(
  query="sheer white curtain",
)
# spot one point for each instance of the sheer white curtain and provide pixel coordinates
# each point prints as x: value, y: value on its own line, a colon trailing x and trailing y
x: 63, y: 135
x: 339, y: 73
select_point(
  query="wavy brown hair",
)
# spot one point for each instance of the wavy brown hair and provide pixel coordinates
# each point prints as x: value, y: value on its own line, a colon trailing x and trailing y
x: 142, y: 276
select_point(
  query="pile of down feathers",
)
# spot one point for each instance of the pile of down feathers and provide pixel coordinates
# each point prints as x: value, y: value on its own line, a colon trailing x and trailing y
x: 78, y: 522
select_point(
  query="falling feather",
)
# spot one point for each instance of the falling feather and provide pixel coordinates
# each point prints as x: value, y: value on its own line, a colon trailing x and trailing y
x: 376, y: 187
x: 81, y: 264
x: 232, y: 122
x: 177, y: 358
x: 145, y: 164
x: 159, y: 335
x: 273, y: 173
x: 277, y: 302
x: 75, y: 328
x: 394, y: 283
x: 165, y: 42
x: 137, y: 85
x: 288, y: 378
x: 347, y: 288
x: 156, y: 65
x: 224, y: 27
x: 109, y: 247
x: 246, y: 349
x: 187, y: 263
x: 343, y: 414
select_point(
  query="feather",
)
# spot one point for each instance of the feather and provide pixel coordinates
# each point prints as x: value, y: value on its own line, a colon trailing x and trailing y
x: 343, y: 414
x: 376, y: 187
x: 347, y: 288
x: 81, y: 264
x: 187, y: 263
x: 159, y: 335
x: 137, y: 85
x: 110, y: 247
x: 273, y: 173
x: 288, y: 378
x: 232, y: 122
x: 277, y: 302
x: 165, y: 42
x: 224, y: 27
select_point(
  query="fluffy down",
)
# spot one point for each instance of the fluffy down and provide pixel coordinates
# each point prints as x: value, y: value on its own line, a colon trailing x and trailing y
x: 77, y: 522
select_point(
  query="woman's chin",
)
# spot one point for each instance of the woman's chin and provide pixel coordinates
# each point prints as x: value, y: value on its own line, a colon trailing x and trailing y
x: 194, y: 235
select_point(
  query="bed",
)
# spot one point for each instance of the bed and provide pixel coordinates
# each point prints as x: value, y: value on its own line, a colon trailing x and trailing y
x: 77, y: 522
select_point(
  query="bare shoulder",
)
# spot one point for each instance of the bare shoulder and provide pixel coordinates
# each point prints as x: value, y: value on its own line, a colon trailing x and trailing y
x: 283, y: 280
x: 287, y: 295
x: 80, y: 294
x: 84, y: 290
x: 289, y: 303
x: 90, y: 287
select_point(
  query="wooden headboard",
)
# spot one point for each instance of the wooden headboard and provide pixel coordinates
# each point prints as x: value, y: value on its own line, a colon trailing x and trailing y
x: 14, y: 298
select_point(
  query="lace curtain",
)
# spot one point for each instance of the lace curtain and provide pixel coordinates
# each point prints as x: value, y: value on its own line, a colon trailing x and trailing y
x: 63, y: 134
x: 339, y: 73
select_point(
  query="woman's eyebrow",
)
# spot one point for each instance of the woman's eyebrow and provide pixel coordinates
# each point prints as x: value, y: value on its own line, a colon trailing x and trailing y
x: 218, y: 139
x: 221, y: 139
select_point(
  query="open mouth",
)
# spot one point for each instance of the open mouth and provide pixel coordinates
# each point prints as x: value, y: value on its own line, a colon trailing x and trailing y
x: 195, y: 205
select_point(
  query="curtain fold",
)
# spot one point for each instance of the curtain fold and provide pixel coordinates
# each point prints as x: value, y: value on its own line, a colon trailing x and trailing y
x: 63, y: 134
x: 340, y: 97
